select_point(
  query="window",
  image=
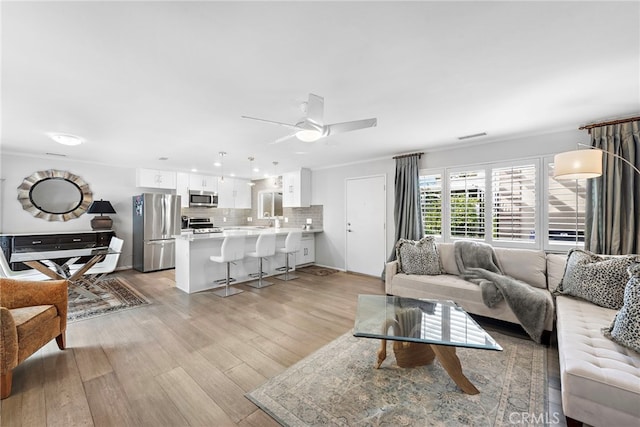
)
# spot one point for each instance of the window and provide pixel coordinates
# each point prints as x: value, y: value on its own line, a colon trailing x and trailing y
x: 513, y: 212
x: 566, y: 207
x: 504, y: 204
x: 467, y: 204
x: 431, y: 204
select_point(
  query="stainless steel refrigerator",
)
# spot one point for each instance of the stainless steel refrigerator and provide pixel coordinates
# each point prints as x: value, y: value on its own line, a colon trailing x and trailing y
x: 156, y: 220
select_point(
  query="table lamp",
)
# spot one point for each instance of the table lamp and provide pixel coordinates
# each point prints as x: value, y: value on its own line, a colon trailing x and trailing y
x: 101, y: 207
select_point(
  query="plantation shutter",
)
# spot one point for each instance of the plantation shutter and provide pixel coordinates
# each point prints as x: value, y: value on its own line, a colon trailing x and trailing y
x: 467, y: 204
x: 514, y: 203
x: 566, y: 209
x: 431, y: 204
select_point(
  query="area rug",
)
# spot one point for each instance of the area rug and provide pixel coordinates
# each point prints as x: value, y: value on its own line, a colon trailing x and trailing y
x: 338, y: 385
x: 316, y: 270
x: 88, y: 300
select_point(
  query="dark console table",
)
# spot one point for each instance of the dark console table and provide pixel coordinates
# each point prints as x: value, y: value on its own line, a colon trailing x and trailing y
x: 20, y: 243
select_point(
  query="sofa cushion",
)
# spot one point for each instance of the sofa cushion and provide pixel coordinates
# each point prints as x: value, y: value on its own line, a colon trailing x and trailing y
x: 36, y: 325
x: 418, y: 257
x: 448, y: 259
x: 600, y: 379
x: 625, y: 329
x: 556, y: 264
x: 598, y: 279
x: 527, y: 265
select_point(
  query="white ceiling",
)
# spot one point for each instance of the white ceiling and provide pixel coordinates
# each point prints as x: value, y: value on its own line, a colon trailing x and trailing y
x: 143, y: 80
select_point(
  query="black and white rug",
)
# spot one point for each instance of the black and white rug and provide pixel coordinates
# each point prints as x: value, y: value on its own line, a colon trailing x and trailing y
x: 338, y: 385
x: 88, y: 300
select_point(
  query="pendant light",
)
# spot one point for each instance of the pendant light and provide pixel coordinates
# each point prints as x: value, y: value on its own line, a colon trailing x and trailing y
x: 222, y: 154
x: 251, y: 159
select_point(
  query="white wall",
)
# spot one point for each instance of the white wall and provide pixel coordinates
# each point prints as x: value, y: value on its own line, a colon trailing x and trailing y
x: 328, y: 189
x: 114, y: 184
x: 328, y: 185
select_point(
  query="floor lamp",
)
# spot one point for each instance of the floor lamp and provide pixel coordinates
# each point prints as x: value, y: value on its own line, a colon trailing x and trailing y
x: 581, y: 164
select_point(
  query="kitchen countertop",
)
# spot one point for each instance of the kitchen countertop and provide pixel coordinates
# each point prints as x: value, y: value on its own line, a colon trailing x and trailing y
x: 242, y: 230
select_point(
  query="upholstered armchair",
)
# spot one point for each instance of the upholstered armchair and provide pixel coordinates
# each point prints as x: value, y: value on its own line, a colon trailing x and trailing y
x: 31, y: 315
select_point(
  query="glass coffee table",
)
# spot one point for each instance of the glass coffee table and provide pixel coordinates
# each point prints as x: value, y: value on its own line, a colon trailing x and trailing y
x: 421, y: 330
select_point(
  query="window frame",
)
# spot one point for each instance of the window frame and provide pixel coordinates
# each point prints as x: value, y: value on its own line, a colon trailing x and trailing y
x: 541, y: 221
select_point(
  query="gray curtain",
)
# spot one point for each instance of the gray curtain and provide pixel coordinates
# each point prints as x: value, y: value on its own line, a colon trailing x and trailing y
x: 406, y: 213
x: 612, y: 224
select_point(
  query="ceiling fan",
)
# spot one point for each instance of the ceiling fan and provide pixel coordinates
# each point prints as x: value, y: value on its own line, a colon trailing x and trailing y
x: 312, y: 127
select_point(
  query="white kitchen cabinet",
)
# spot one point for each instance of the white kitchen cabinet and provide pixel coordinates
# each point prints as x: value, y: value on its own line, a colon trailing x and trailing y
x: 242, y: 195
x: 296, y: 189
x: 199, y: 182
x: 234, y: 193
x: 307, y: 253
x: 182, y: 188
x: 225, y: 193
x: 153, y: 178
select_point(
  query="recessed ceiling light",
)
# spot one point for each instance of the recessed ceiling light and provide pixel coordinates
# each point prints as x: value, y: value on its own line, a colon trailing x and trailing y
x: 194, y: 170
x: 256, y: 169
x: 217, y: 164
x: 232, y: 175
x: 66, y: 138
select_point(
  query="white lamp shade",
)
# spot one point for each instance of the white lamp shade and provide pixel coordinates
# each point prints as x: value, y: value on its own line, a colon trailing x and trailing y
x: 578, y: 164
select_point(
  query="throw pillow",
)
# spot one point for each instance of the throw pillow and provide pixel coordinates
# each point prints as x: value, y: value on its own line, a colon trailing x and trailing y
x: 596, y: 278
x: 625, y: 329
x: 418, y: 257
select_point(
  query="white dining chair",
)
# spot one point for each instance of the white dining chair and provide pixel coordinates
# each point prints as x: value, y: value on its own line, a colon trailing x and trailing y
x: 7, y: 272
x: 108, y: 265
x: 265, y: 247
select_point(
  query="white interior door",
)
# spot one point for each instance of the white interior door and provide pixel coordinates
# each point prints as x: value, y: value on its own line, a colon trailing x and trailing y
x: 365, y: 224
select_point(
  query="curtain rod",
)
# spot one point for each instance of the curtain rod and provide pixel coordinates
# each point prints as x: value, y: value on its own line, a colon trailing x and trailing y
x: 408, y: 155
x: 612, y: 122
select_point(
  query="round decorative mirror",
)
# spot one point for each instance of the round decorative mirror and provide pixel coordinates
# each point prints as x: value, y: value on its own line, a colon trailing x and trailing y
x: 54, y: 195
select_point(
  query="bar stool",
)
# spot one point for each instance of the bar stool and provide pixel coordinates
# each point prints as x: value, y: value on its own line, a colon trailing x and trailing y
x: 265, y: 246
x: 232, y: 250
x: 291, y: 245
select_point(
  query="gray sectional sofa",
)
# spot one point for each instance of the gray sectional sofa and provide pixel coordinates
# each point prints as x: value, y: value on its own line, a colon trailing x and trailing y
x: 600, y: 378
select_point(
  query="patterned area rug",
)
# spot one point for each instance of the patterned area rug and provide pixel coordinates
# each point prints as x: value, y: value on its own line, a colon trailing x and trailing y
x: 316, y: 270
x: 87, y: 300
x: 338, y: 385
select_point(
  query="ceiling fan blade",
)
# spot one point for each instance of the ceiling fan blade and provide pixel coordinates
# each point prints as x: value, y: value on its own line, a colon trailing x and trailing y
x: 283, y: 139
x: 315, y: 109
x: 349, y: 126
x: 290, y: 126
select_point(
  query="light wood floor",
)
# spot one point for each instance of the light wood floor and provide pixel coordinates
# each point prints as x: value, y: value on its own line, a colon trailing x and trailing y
x: 188, y: 360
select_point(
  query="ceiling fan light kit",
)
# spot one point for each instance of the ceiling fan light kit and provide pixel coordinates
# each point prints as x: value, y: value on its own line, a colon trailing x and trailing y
x: 312, y: 127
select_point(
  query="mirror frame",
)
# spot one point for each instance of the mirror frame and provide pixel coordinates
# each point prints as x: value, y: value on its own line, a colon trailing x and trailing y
x: 24, y: 194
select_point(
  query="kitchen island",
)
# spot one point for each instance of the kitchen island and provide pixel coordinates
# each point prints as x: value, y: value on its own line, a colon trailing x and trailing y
x: 195, y: 272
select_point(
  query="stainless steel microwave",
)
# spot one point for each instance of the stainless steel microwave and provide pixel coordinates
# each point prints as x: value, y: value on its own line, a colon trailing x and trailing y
x: 203, y: 199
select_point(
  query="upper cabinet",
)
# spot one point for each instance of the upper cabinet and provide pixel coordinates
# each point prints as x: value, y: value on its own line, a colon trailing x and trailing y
x: 296, y: 189
x: 203, y: 183
x: 234, y: 193
x: 153, y: 178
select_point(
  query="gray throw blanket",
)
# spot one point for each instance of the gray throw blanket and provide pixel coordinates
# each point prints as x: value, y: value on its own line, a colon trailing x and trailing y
x: 478, y: 264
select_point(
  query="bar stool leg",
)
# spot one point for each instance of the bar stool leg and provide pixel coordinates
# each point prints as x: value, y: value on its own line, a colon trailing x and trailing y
x: 286, y: 275
x: 260, y: 283
x: 227, y: 291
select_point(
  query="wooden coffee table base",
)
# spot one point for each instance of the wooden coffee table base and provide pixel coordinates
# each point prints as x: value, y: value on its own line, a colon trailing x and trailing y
x: 410, y: 355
